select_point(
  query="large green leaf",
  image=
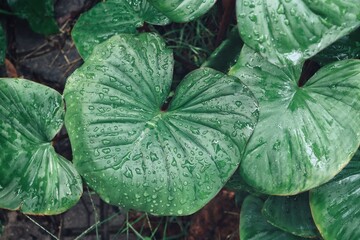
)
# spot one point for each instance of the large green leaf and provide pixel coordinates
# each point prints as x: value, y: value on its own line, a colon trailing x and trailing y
x: 253, y: 225
x: 306, y: 134
x: 2, y: 45
x: 183, y: 10
x: 39, y: 14
x: 335, y: 206
x: 166, y: 162
x: 347, y: 47
x: 111, y: 17
x: 291, y: 214
x: 290, y: 31
x: 34, y: 179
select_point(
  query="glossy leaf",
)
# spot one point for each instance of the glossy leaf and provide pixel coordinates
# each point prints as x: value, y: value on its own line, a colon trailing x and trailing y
x: 34, y: 178
x: 183, y: 10
x: 253, y: 225
x: 226, y: 54
x: 347, y: 47
x: 306, y: 134
x: 132, y: 153
x: 2, y: 45
x: 291, y: 214
x: 335, y: 205
x: 39, y: 14
x: 112, y: 17
x: 291, y: 31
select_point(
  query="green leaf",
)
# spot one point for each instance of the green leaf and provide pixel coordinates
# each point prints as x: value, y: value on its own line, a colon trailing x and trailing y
x: 2, y: 45
x: 291, y: 214
x: 183, y: 10
x: 347, y: 47
x: 34, y: 179
x: 292, y: 31
x: 305, y: 134
x: 132, y: 153
x: 39, y: 14
x: 335, y: 205
x: 111, y: 17
x: 226, y: 54
x: 253, y: 225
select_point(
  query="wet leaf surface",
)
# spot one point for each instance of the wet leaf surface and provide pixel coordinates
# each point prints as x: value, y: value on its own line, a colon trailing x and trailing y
x: 253, y: 224
x: 112, y: 17
x: 183, y: 11
x: 136, y: 154
x: 34, y: 178
x: 290, y: 31
x: 291, y: 214
x: 335, y: 205
x: 347, y: 47
x: 306, y: 134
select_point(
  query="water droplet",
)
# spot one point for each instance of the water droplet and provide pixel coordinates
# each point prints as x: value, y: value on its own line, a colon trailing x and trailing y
x: 238, y: 103
x: 128, y: 173
x: 153, y: 157
x: 280, y: 9
x: 106, y: 150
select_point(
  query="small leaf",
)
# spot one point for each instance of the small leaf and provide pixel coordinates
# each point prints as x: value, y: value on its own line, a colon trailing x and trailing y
x: 291, y: 214
x: 291, y: 31
x: 39, y: 14
x: 226, y: 54
x: 166, y: 162
x: 34, y: 179
x: 306, y: 134
x: 183, y: 11
x: 253, y: 225
x: 111, y: 17
x: 335, y: 205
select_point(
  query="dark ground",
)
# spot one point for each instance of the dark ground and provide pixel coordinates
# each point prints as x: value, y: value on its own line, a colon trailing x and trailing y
x: 50, y: 60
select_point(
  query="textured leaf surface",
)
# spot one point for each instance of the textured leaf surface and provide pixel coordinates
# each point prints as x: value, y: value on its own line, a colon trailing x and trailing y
x: 291, y: 214
x: 183, y: 10
x: 347, y: 47
x: 305, y: 134
x: 2, y: 45
x: 253, y: 225
x: 135, y: 155
x: 290, y: 31
x: 111, y: 17
x: 34, y: 178
x: 39, y: 14
x: 335, y: 205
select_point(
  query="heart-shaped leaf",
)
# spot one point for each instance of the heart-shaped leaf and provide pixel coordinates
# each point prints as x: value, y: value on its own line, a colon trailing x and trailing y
x: 183, y: 11
x: 111, y: 17
x: 39, y: 14
x: 335, y: 205
x: 291, y: 31
x: 34, y: 179
x: 166, y: 162
x: 306, y: 134
x: 253, y: 225
x: 291, y: 214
